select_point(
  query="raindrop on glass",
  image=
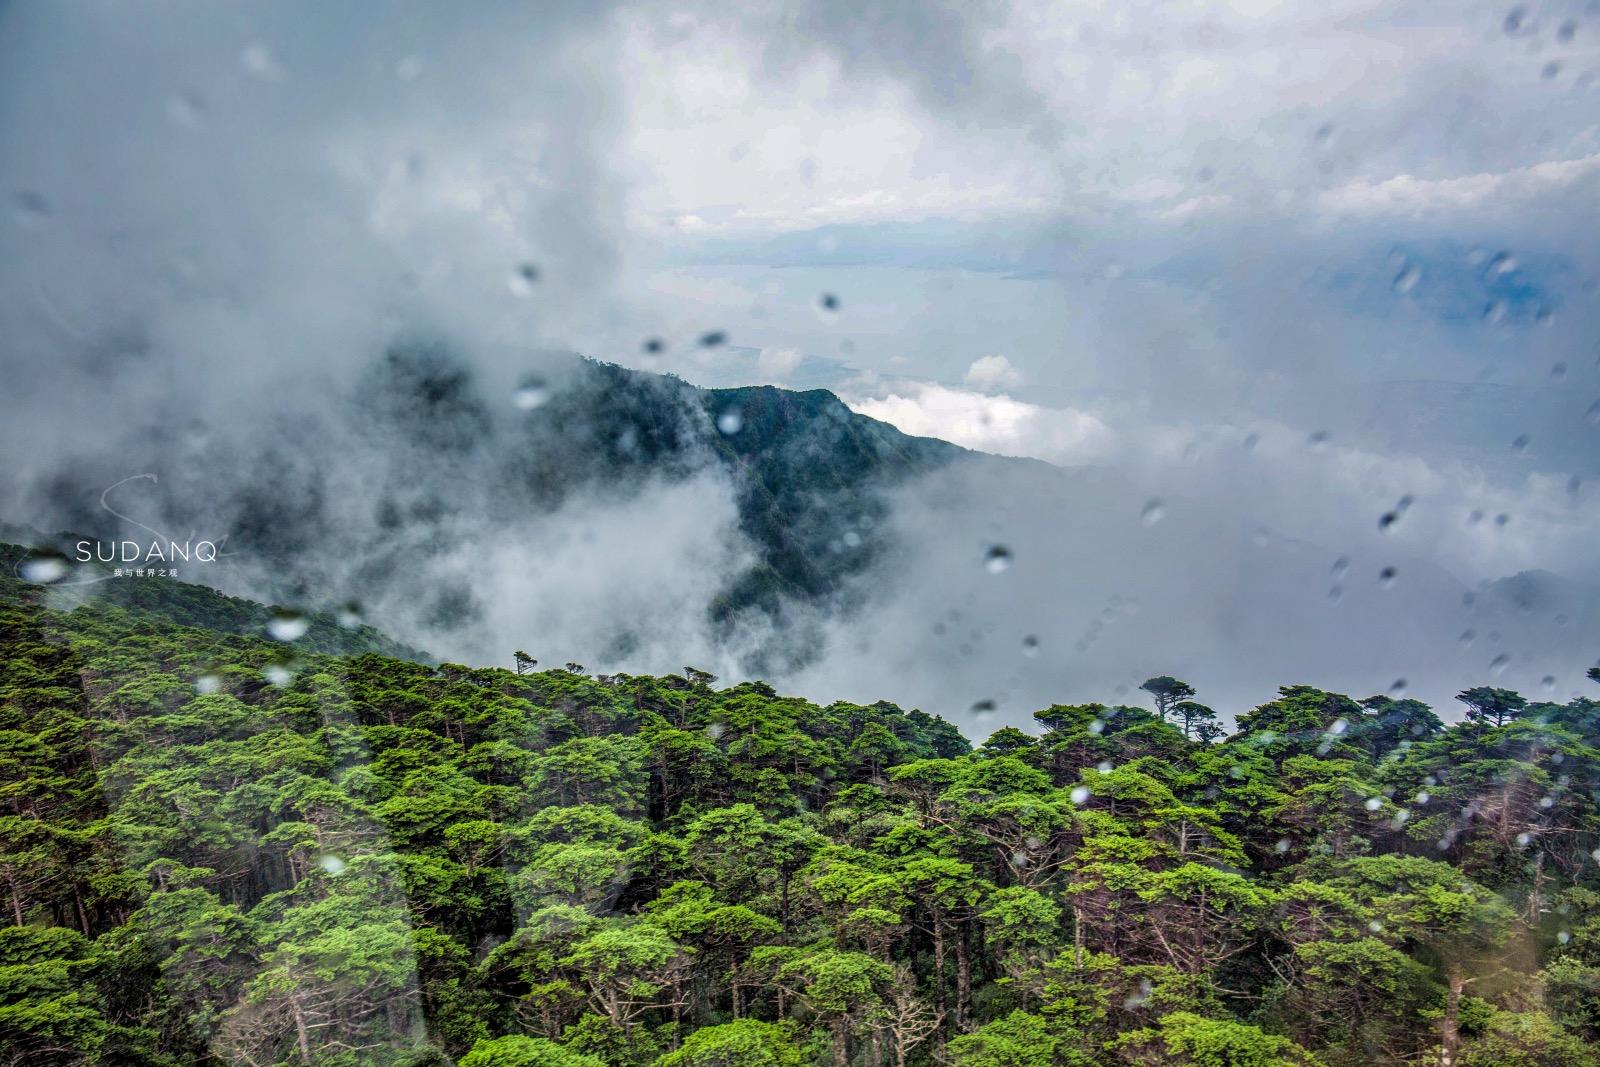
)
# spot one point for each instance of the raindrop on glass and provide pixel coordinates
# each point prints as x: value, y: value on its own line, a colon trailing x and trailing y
x: 1558, y: 371
x: 1498, y: 665
x: 1386, y: 577
x: 524, y: 276
x: 1593, y: 414
x: 1407, y: 279
x: 186, y: 109
x: 1387, y: 519
x: 287, y: 625
x: 1154, y: 511
x: 1567, y: 31
x: 713, y: 339
x: 1080, y: 795
x: 1548, y: 683
x: 1398, y: 689
x: 532, y: 392
x: 258, y: 61
x: 654, y: 346
x: 1550, y: 69
x: 348, y: 615
x: 1495, y: 312
x: 332, y: 864
x: 32, y: 209
x: 207, y: 683
x: 997, y: 559
x: 1340, y: 567
x: 828, y: 302
x: 730, y: 422
x: 1030, y: 645
x: 43, y: 569
x: 1467, y: 637
x: 1520, y: 443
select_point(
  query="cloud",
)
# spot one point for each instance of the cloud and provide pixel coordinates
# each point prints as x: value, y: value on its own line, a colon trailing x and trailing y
x: 776, y: 364
x: 993, y: 373
x: 996, y: 424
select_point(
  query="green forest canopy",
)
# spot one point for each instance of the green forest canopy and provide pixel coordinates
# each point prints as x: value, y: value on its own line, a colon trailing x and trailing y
x: 216, y: 849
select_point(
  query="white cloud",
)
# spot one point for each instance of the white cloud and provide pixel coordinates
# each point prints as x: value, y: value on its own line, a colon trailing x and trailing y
x: 993, y: 373
x: 777, y: 364
x: 996, y: 424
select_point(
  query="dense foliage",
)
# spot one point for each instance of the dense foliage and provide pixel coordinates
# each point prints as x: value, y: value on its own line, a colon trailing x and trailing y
x: 214, y: 852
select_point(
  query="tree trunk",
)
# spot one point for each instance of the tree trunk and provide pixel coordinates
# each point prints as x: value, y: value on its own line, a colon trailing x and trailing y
x: 841, y: 1045
x: 963, y: 978
x: 1450, y: 1025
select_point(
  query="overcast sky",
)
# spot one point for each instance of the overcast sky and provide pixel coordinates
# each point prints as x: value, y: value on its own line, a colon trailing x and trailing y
x: 1283, y: 264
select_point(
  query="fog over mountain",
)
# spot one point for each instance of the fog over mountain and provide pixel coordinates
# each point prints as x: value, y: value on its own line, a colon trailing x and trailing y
x: 1236, y: 312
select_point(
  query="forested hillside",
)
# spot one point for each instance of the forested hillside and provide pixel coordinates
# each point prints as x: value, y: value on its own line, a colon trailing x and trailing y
x: 220, y: 848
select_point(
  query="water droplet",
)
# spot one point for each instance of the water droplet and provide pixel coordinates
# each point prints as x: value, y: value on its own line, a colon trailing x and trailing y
x: 1495, y: 311
x: 1563, y: 936
x: 1104, y: 766
x: 1098, y: 726
x: 32, y: 209
x: 408, y: 68
x: 1080, y: 795
x: 1550, y: 69
x: 730, y: 422
x: 1500, y: 263
x: 1567, y: 31
x: 1386, y: 577
x: 1154, y: 511
x: 1340, y: 567
x: 1407, y: 279
x: 187, y: 108
x: 44, y: 568
x: 532, y: 392
x: 1548, y: 683
x: 1520, y: 442
x: 277, y: 674
x: 1318, y: 441
x: 713, y: 339
x: 523, y: 277
x: 983, y: 707
x: 1501, y: 519
x: 1322, y: 133
x: 828, y: 302
x: 258, y: 61
x: 1387, y: 519
x: 1030, y: 645
x: 997, y: 559
x: 654, y: 346
x: 1524, y: 839
x: 332, y: 864
x: 1558, y: 370
x: 1374, y: 803
x: 1250, y: 441
x: 287, y: 625
x: 1335, y: 592
x: 1498, y: 665
x: 1467, y: 637
x: 1282, y: 846
x: 348, y: 615
x: 1593, y: 414
x: 1398, y: 689
x: 716, y: 730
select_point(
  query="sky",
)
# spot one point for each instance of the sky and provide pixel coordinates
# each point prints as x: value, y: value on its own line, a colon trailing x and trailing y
x: 1274, y: 271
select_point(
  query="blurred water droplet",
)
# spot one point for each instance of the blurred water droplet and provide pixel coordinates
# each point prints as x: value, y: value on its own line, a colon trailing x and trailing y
x: 332, y: 864
x: 1318, y: 441
x: 1030, y: 645
x: 1520, y: 442
x: 1282, y: 846
x: 287, y: 625
x: 713, y: 339
x: 1467, y: 637
x: 187, y: 108
x: 1338, y: 726
x: 1387, y: 519
x: 258, y: 61
x: 1474, y: 517
x: 1104, y: 766
x: 1501, y: 519
x: 1080, y: 795
x: 207, y: 683
x: 1097, y: 726
x: 1495, y: 312
x: 1336, y: 592
x: 1498, y: 665
x: 32, y: 209
x: 348, y: 615
x: 1593, y: 414
x: 1250, y: 441
x: 277, y: 674
x: 524, y: 276
x: 1407, y: 279
x: 43, y: 568
x: 1154, y: 511
x: 654, y: 345
x: 1340, y: 567
x: 997, y: 559
x: 1548, y: 683
x: 730, y: 422
x: 1558, y: 371
x: 828, y: 302
x: 1550, y: 69
x: 1386, y: 577
x: 1374, y: 803
x: 1322, y: 133
x: 1398, y: 689
x: 408, y: 68
x: 1501, y: 263
x: 983, y: 707
x: 716, y: 730
x: 532, y: 392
